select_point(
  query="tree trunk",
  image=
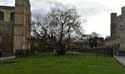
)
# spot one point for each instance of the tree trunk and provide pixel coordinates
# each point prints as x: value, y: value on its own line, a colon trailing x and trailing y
x: 61, y: 50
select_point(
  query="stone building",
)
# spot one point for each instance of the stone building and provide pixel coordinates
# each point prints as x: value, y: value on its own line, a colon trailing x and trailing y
x: 15, y: 28
x: 117, y: 39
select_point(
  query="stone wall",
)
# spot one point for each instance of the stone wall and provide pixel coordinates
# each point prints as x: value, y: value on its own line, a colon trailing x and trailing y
x: 6, y: 31
x: 15, y: 33
x: 118, y: 31
x: 22, y: 25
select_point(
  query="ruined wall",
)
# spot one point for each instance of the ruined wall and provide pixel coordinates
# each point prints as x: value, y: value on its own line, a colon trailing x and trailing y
x: 15, y: 28
x: 114, y: 26
x: 118, y: 32
x: 6, y: 31
x: 122, y: 29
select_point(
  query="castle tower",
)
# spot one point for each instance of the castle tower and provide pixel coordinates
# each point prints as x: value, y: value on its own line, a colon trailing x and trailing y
x: 122, y: 29
x: 123, y: 11
x: 114, y: 25
x: 22, y: 25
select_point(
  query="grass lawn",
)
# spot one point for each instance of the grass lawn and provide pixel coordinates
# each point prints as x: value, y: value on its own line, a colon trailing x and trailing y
x: 76, y: 64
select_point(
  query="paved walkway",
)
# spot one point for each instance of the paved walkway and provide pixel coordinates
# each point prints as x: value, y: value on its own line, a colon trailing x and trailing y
x: 121, y: 59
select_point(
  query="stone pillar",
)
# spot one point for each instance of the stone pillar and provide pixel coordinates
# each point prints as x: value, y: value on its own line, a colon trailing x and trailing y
x: 22, y: 25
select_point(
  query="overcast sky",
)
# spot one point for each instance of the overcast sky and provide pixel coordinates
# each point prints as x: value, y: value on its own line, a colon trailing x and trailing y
x: 96, y: 12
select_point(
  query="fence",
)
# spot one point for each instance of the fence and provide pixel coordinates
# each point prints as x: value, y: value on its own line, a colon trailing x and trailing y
x: 97, y: 51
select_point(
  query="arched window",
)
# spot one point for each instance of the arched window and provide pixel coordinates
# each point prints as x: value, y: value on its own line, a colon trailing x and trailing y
x: 12, y: 16
x: 1, y: 16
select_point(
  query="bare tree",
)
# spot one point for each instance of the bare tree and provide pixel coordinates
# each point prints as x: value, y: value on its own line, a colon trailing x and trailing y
x: 60, y: 24
x: 65, y: 23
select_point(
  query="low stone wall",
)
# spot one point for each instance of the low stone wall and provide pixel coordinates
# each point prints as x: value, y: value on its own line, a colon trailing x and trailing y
x: 120, y: 53
x: 7, y: 58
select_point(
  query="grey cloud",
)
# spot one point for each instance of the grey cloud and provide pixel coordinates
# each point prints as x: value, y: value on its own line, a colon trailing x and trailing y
x: 42, y: 7
x: 92, y: 8
x: 7, y: 2
x: 85, y: 8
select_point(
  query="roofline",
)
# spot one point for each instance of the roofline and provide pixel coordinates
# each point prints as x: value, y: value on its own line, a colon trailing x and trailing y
x: 7, y: 7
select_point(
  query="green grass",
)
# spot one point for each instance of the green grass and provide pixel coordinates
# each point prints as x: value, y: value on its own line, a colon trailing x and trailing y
x: 76, y: 64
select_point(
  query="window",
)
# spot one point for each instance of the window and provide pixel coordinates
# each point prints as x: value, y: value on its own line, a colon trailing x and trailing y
x: 1, y: 16
x: 0, y: 39
x: 12, y: 16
